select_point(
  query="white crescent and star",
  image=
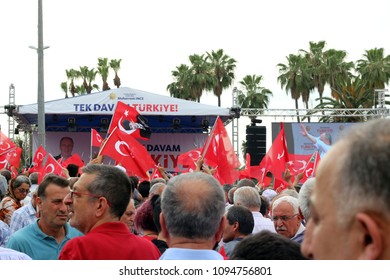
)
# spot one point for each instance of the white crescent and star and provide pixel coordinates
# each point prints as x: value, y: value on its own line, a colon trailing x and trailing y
x: 118, y: 145
x: 51, y: 166
x: 9, y: 146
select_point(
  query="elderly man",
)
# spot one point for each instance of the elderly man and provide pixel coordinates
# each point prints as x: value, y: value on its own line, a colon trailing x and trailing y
x: 286, y: 218
x: 249, y: 197
x: 192, y: 218
x: 350, y: 217
x: 96, y: 204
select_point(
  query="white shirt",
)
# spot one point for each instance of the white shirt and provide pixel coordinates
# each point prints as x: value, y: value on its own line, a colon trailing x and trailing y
x: 262, y: 223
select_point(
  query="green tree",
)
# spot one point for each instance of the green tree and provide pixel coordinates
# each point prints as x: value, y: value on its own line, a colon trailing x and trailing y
x: 64, y: 87
x: 317, y: 67
x: 179, y: 88
x: 115, y: 64
x: 290, y: 77
x: 91, y: 75
x: 200, y: 76
x: 350, y: 94
x: 72, y: 74
x: 223, y: 71
x: 84, y: 75
x: 337, y: 68
x: 103, y: 70
x: 253, y: 95
x: 375, y: 69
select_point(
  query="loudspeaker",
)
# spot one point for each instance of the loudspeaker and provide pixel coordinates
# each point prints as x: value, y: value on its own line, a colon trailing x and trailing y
x: 256, y: 143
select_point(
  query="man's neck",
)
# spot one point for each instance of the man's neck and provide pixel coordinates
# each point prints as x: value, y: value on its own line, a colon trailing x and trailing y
x: 58, y: 232
x: 198, y: 244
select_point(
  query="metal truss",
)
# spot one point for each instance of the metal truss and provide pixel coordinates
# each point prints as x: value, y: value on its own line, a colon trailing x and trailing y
x: 358, y: 112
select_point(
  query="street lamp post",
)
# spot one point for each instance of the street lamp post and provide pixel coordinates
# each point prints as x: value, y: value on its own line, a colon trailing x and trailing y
x: 41, y: 92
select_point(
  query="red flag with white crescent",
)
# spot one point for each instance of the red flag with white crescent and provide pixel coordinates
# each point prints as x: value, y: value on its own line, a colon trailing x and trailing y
x: 127, y: 151
x: 129, y: 121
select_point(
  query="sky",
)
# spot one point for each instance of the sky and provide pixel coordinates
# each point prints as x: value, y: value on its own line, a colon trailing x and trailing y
x: 152, y: 37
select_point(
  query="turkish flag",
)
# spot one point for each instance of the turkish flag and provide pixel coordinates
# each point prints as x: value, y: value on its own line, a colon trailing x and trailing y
x: 13, y: 157
x: 38, y: 158
x: 297, y: 163
x: 189, y: 158
x: 218, y: 152
x: 96, y: 139
x: 51, y: 166
x: 129, y: 121
x: 127, y: 151
x: 3, y: 161
x: 277, y: 155
x: 6, y: 144
x: 311, y: 166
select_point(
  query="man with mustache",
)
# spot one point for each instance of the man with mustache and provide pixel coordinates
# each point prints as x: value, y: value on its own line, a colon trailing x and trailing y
x: 287, y: 219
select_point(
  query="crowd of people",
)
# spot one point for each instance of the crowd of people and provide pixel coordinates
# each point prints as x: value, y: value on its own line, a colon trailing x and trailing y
x: 104, y: 214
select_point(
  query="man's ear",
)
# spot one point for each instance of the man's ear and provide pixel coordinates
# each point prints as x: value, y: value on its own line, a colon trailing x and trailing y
x: 371, y: 241
x: 164, y: 231
x: 219, y: 233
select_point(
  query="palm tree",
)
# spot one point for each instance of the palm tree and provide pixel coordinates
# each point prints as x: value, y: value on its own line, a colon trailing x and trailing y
x: 64, y: 87
x: 223, y: 67
x: 375, y: 69
x: 84, y: 74
x: 115, y: 64
x: 350, y: 94
x: 72, y: 74
x: 103, y: 69
x: 337, y: 68
x: 253, y: 94
x: 91, y: 75
x: 179, y: 88
x: 290, y: 77
x: 315, y: 58
x: 200, y: 77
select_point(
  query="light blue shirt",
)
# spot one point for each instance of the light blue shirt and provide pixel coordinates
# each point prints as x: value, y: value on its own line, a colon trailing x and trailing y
x: 4, y: 233
x: 22, y: 217
x: 38, y: 245
x: 190, y: 254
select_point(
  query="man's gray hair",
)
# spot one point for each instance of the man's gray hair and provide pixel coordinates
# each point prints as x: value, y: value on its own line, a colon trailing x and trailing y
x: 304, y: 197
x: 248, y: 197
x: 193, y: 205
x: 288, y: 199
x: 364, y: 174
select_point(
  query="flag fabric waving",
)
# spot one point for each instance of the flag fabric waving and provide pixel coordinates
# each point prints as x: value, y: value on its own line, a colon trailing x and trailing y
x: 218, y: 152
x: 311, y: 166
x: 38, y: 158
x: 13, y: 157
x: 96, y: 139
x: 246, y: 173
x: 74, y: 159
x: 127, y: 151
x: 190, y: 158
x: 129, y: 121
x: 275, y: 161
x: 51, y: 166
x: 6, y: 144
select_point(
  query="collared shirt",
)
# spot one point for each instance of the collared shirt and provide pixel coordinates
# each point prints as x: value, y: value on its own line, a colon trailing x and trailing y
x: 4, y: 233
x: 8, y: 254
x: 38, y: 245
x: 22, y: 217
x: 262, y: 223
x: 298, y: 237
x: 190, y: 254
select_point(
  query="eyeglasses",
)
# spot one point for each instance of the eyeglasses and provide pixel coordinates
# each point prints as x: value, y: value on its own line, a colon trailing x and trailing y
x: 283, y: 218
x: 26, y: 191
x: 73, y: 193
